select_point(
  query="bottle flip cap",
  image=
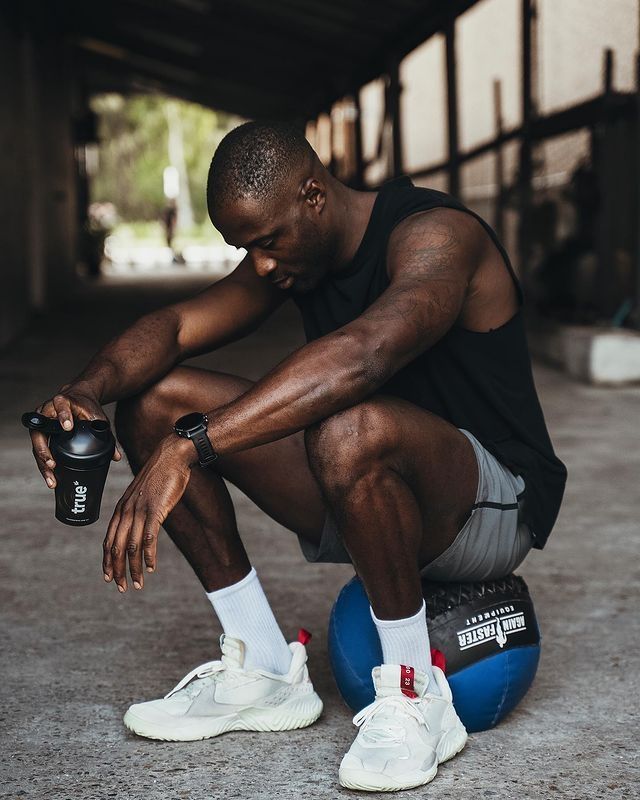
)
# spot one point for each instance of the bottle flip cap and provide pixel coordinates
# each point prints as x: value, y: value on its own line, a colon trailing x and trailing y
x: 38, y: 422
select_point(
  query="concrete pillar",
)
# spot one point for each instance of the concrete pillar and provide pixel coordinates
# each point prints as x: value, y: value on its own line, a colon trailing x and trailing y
x: 452, y: 107
x: 38, y: 215
x: 529, y: 106
x: 394, y: 89
x: 58, y: 175
x: 14, y: 294
x: 34, y: 179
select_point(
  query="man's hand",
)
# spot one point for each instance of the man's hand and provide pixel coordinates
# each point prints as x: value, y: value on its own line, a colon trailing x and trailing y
x: 71, y: 401
x: 147, y: 502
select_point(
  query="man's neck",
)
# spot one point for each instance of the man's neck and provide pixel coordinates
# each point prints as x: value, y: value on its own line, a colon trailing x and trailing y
x: 354, y: 212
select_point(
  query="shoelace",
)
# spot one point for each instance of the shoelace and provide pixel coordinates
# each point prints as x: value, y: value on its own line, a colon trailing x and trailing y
x: 386, y: 732
x: 205, y: 674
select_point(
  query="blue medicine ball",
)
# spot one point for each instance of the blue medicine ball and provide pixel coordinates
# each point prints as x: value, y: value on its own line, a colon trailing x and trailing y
x: 487, y: 632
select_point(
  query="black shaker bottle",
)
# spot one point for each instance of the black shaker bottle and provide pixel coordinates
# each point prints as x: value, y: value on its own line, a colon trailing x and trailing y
x: 83, y: 456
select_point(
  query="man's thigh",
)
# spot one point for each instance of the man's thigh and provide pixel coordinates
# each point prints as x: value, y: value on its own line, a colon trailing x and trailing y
x: 432, y: 457
x: 468, y: 501
x: 276, y: 476
x: 438, y: 464
x: 494, y: 540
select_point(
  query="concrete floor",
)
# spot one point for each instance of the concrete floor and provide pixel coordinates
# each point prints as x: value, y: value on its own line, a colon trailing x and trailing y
x: 75, y: 654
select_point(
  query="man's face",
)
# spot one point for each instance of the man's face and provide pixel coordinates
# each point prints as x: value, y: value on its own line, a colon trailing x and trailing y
x: 288, y: 240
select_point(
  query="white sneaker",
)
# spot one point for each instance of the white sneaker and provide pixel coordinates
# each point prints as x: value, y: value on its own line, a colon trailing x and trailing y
x: 404, y: 734
x: 222, y: 696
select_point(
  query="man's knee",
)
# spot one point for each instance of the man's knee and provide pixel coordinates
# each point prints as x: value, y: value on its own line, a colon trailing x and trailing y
x: 147, y: 414
x: 352, y: 443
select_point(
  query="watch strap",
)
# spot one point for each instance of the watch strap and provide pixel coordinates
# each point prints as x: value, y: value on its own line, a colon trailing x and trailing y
x: 204, y: 448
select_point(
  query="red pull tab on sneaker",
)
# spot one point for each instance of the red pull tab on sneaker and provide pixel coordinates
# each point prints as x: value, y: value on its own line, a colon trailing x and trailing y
x: 407, y: 675
x: 304, y: 636
x: 438, y: 659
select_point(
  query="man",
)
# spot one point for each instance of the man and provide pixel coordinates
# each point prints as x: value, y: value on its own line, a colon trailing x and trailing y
x: 406, y: 437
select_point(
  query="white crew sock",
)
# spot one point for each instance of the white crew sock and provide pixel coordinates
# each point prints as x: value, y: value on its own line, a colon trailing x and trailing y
x: 244, y: 613
x: 406, y: 641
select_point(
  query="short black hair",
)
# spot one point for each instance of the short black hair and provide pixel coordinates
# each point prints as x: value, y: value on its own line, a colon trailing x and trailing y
x: 254, y: 160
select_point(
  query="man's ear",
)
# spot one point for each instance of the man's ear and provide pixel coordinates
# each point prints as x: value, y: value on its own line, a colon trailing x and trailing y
x: 314, y: 194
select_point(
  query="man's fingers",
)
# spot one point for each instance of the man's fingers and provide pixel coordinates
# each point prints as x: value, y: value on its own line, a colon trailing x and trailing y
x: 43, y: 457
x: 132, y: 534
x: 119, y: 546
x: 107, y: 563
x: 114, y: 555
x: 107, y: 568
x: 41, y: 448
x: 134, y: 548
x: 150, y: 543
x: 117, y: 455
x: 63, y: 410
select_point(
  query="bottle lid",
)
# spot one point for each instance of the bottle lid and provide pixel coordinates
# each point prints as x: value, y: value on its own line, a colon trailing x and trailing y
x: 88, y: 444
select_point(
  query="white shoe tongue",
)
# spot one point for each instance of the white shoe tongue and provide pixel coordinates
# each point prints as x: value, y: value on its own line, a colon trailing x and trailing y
x: 232, y: 651
x: 394, y: 679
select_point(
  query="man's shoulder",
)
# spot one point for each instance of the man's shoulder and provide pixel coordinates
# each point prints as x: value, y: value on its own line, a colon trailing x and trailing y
x: 457, y: 225
x: 436, y: 234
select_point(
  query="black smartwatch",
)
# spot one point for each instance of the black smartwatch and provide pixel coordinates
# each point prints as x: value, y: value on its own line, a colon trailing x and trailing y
x: 194, y: 426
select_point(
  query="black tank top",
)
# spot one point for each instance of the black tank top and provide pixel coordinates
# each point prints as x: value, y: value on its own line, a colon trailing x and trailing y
x: 481, y: 382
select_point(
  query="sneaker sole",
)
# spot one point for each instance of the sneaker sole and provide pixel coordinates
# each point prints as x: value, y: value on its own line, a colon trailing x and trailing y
x: 299, y: 713
x: 449, y: 746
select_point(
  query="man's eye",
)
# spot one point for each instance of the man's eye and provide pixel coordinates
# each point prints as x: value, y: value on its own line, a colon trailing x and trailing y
x: 266, y: 245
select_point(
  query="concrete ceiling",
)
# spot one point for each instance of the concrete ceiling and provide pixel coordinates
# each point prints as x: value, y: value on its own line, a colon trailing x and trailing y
x: 252, y: 57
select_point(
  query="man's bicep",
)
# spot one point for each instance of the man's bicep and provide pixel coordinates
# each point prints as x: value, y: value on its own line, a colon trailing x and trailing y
x: 228, y: 310
x: 430, y: 270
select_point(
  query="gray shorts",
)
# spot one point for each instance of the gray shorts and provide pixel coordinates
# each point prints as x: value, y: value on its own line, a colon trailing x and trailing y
x: 491, y: 543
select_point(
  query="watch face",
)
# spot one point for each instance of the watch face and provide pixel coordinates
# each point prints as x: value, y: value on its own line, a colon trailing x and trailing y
x: 190, y: 421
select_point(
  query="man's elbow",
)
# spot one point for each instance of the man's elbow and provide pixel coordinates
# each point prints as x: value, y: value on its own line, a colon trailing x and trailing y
x: 371, y: 359
x: 376, y: 368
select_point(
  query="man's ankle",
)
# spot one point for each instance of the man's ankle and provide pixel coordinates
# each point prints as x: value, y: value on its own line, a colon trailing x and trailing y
x: 244, y: 613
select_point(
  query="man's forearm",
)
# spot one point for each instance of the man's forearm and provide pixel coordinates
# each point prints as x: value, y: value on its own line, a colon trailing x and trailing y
x: 316, y: 381
x: 133, y: 360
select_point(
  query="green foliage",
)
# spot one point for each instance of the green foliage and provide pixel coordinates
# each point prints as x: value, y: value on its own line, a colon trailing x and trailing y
x: 151, y: 234
x: 133, y: 152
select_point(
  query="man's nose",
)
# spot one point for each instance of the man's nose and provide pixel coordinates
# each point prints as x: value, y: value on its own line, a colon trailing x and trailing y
x: 264, y: 265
